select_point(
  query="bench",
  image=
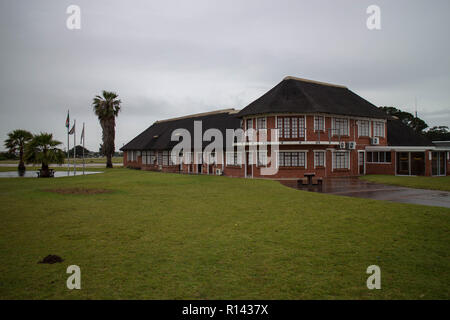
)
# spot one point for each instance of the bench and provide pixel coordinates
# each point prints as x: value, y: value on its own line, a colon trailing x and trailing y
x: 316, y: 181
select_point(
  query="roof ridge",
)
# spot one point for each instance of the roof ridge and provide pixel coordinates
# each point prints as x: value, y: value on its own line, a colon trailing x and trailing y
x: 195, y: 115
x: 314, y: 81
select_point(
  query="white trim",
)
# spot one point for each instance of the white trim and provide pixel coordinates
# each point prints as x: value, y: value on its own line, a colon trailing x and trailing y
x: 358, y: 122
x: 324, y: 157
x: 399, y: 148
x: 333, y: 152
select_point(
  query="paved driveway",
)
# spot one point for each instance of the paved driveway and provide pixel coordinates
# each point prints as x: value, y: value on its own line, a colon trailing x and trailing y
x: 354, y: 187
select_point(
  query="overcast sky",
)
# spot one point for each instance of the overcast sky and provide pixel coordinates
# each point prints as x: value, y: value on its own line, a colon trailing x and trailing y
x: 172, y: 58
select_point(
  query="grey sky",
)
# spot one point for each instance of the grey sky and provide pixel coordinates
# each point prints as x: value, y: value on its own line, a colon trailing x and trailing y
x: 171, y: 58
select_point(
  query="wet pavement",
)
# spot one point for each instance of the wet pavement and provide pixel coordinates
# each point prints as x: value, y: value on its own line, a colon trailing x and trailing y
x: 354, y: 187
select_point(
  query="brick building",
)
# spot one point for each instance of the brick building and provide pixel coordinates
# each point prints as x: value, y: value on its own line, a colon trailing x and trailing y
x: 321, y: 129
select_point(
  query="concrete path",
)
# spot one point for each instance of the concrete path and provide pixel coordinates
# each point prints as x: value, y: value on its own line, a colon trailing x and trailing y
x: 354, y: 187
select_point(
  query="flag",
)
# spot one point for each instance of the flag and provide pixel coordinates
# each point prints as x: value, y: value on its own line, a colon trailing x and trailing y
x: 67, y: 120
x: 82, y: 135
x: 72, y: 131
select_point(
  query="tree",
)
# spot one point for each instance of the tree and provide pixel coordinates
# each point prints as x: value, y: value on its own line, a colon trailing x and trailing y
x: 407, y: 118
x: 43, y: 149
x: 438, y: 133
x: 107, y: 108
x: 16, y: 142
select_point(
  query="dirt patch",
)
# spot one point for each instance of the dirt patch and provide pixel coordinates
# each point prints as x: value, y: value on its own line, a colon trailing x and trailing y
x: 79, y: 191
x: 51, y: 259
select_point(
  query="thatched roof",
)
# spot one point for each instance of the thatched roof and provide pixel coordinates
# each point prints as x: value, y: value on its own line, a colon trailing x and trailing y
x: 158, y: 135
x: 296, y: 95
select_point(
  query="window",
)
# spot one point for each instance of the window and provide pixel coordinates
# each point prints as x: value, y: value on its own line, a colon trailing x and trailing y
x: 132, y: 156
x: 341, y: 160
x: 294, y: 127
x: 280, y: 127
x: 319, y: 159
x: 261, y: 122
x: 319, y: 123
x: 287, y: 128
x: 160, y: 158
x: 291, y: 127
x: 165, y: 158
x: 379, y: 157
x: 249, y: 124
x: 234, y: 158
x: 363, y: 128
x: 292, y: 159
x: 378, y: 129
x: 262, y: 158
x: 340, y: 126
x: 148, y: 157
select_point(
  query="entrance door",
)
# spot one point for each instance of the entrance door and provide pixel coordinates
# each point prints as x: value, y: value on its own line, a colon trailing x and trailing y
x: 438, y: 163
x: 403, y: 163
x: 417, y: 163
x: 362, y: 162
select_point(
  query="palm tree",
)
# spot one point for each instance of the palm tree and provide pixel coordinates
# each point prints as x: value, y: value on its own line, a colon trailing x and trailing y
x: 16, y: 141
x: 107, y: 108
x: 43, y: 149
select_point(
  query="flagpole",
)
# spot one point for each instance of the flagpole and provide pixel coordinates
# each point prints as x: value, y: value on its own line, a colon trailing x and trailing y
x: 68, y: 144
x: 74, y: 147
x: 83, y: 147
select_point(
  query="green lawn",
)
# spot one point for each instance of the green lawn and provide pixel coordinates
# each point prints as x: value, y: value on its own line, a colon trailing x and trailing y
x: 170, y: 236
x: 434, y: 183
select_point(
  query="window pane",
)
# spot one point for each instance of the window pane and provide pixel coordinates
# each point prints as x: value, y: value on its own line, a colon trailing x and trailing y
x: 388, y: 156
x: 301, y: 127
x: 287, y: 128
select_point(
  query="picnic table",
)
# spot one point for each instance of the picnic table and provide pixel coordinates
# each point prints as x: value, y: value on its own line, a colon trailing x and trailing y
x: 309, y: 176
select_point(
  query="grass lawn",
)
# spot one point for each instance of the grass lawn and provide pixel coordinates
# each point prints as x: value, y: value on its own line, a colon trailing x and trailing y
x: 170, y: 236
x: 434, y: 183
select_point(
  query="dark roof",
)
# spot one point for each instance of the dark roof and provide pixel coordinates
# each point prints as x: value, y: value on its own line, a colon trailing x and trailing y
x: 441, y: 143
x: 399, y: 134
x: 295, y: 95
x: 158, y: 135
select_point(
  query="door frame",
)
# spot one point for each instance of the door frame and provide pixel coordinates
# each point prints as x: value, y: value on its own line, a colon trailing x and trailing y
x: 364, y: 162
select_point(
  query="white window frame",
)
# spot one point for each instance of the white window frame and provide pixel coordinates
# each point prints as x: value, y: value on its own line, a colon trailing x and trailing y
x: 333, y: 123
x: 323, y: 123
x: 333, y: 160
x: 305, y: 152
x: 324, y: 152
x: 359, y: 123
x: 382, y: 130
